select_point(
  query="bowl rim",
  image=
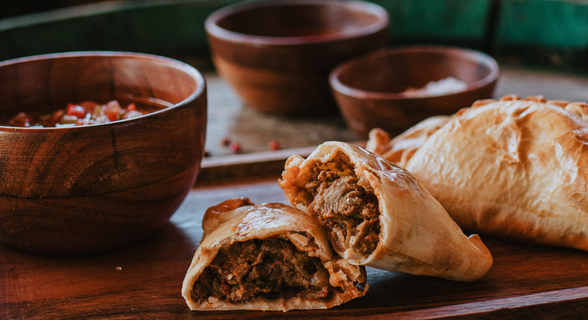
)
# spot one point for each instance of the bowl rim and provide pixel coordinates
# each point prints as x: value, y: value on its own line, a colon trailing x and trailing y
x: 471, y: 54
x: 172, y: 63
x: 212, y: 28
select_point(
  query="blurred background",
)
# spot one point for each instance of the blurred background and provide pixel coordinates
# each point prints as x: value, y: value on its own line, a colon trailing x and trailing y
x: 12, y: 9
x: 541, y: 47
x: 536, y: 32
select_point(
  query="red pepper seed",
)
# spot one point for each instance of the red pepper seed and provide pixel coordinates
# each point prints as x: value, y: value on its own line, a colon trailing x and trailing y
x: 225, y: 141
x: 274, y: 145
x: 235, y: 147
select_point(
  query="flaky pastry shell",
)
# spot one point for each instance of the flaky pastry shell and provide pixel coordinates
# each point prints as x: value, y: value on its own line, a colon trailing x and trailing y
x: 515, y: 168
x: 415, y: 234
x: 238, y: 220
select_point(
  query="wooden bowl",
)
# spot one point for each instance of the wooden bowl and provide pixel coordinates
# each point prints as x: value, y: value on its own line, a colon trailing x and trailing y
x: 370, y: 90
x: 277, y: 55
x: 85, y: 189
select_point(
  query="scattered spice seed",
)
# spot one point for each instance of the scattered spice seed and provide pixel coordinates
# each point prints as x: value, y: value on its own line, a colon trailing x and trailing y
x: 274, y: 145
x: 235, y: 147
x: 225, y: 141
x: 206, y: 154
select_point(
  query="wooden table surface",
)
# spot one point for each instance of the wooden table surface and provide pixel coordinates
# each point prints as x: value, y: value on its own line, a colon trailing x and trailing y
x: 228, y: 117
x: 143, y: 281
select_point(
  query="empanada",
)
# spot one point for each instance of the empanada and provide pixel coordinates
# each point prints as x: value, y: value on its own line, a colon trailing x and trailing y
x: 267, y: 257
x: 399, y: 149
x: 513, y: 168
x: 377, y: 214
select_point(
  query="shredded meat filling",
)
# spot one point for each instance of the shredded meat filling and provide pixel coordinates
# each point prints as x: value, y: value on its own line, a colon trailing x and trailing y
x: 269, y: 268
x: 346, y: 209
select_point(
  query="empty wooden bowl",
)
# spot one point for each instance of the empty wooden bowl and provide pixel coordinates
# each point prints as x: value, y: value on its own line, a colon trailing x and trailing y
x: 378, y: 90
x: 277, y: 55
x: 85, y: 189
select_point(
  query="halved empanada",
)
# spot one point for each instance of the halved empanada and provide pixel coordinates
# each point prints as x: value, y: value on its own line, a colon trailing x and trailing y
x: 267, y: 257
x: 379, y: 215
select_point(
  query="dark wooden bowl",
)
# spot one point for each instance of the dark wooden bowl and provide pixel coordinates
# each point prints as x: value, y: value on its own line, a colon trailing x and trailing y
x: 369, y: 89
x: 85, y: 189
x: 277, y: 55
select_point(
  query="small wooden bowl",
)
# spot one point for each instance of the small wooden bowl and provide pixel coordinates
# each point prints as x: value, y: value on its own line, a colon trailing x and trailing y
x: 369, y: 90
x: 85, y: 189
x: 278, y: 55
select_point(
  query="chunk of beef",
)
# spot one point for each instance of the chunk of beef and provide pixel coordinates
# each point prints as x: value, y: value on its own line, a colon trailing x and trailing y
x: 270, y: 268
x: 347, y: 210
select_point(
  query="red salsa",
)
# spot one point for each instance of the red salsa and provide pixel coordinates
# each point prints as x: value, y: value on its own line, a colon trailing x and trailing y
x: 84, y: 113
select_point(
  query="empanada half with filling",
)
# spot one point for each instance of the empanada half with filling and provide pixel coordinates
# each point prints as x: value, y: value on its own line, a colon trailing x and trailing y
x: 379, y: 215
x: 513, y: 168
x: 267, y: 257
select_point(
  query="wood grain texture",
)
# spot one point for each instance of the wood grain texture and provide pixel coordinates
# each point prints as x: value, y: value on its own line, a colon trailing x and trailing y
x: 525, y: 280
x: 248, y: 167
x: 277, y: 56
x: 89, y: 188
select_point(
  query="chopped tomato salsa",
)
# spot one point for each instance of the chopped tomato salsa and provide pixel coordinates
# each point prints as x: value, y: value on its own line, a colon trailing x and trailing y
x: 84, y: 113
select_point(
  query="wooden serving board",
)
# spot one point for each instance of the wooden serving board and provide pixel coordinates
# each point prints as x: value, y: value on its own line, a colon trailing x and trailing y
x: 144, y: 281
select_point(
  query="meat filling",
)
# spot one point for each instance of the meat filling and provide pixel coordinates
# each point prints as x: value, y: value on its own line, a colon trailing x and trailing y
x: 269, y: 268
x: 346, y: 208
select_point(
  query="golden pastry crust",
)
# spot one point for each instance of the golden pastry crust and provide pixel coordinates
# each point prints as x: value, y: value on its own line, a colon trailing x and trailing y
x: 401, y: 148
x: 416, y: 235
x: 515, y: 168
x: 238, y: 220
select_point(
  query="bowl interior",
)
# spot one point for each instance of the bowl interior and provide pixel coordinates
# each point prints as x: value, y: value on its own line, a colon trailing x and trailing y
x: 46, y: 83
x: 394, y: 71
x: 298, y: 19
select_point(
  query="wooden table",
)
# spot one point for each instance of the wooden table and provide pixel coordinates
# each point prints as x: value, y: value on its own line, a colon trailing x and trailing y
x: 143, y: 281
x: 228, y: 117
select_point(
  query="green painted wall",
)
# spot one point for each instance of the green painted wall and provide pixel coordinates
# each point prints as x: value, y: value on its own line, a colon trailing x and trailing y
x: 551, y: 23
x: 461, y: 22
x: 545, y: 32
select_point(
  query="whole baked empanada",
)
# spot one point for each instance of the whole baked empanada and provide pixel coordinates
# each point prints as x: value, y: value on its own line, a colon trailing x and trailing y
x: 379, y: 215
x: 513, y: 168
x: 400, y: 148
x: 267, y: 257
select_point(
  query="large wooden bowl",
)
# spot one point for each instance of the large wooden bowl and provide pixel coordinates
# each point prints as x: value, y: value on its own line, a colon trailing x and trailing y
x: 369, y: 89
x: 93, y: 188
x: 277, y: 55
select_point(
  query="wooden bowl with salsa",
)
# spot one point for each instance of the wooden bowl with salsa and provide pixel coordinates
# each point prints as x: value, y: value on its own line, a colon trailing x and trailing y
x: 97, y: 149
